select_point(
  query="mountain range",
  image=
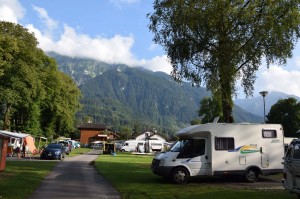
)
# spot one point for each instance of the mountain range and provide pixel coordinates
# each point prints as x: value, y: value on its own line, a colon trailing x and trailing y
x: 118, y: 95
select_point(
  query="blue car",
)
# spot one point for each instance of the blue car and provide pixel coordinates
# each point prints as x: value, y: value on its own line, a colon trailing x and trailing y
x: 54, y: 151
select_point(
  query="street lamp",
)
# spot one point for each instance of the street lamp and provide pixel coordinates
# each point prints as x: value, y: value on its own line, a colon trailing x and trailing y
x: 264, y: 94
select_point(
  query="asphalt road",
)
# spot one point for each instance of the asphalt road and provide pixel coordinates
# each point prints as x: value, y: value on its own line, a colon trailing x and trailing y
x: 75, y: 178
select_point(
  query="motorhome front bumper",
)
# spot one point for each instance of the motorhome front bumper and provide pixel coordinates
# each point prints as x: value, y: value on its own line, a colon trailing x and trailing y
x: 160, y: 170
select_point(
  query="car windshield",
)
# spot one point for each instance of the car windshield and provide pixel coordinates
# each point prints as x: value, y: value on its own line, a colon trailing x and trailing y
x: 54, y: 146
x: 178, y: 145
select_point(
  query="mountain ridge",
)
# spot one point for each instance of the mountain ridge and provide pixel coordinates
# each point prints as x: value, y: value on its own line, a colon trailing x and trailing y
x: 120, y: 95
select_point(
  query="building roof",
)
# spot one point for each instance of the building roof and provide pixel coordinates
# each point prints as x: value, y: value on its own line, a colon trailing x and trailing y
x: 92, y: 126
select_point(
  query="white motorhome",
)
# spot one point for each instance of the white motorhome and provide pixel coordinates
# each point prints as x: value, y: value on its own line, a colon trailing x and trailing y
x: 133, y: 145
x: 223, y: 149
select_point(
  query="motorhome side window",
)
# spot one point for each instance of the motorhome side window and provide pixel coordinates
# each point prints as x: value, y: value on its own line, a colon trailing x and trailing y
x: 222, y: 143
x: 269, y: 133
x: 193, y: 148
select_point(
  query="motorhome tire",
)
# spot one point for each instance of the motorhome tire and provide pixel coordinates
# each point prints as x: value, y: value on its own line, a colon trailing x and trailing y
x: 251, y: 175
x: 180, y: 175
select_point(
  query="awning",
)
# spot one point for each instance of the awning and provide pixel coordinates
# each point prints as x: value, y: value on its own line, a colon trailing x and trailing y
x: 14, y: 135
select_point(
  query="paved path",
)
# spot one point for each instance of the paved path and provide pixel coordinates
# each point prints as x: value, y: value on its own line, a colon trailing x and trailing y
x: 75, y: 178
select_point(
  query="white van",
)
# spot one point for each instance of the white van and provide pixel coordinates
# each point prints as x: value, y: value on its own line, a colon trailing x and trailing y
x: 223, y: 149
x: 291, y: 164
x: 133, y: 145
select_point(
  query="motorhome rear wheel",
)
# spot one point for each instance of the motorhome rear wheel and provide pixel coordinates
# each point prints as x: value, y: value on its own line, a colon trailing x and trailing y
x: 251, y: 175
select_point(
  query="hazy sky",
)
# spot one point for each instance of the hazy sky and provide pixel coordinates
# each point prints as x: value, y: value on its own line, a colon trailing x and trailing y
x: 116, y: 31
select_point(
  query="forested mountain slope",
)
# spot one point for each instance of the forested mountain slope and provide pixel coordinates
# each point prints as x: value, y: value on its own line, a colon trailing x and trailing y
x: 118, y: 95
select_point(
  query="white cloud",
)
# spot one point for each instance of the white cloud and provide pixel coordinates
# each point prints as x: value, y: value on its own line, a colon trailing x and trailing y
x: 111, y: 50
x: 278, y: 79
x: 119, y: 2
x: 48, y: 21
x: 158, y: 63
x: 11, y: 10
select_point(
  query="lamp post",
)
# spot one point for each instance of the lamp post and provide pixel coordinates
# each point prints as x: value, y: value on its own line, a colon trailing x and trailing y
x: 264, y: 94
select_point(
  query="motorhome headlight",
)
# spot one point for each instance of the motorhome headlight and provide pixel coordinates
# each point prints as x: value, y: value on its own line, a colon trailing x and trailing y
x: 161, y: 162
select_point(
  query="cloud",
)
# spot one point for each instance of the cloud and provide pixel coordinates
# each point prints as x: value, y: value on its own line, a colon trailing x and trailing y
x: 119, y: 2
x: 48, y: 21
x: 158, y: 63
x: 278, y: 79
x: 11, y: 10
x: 115, y: 50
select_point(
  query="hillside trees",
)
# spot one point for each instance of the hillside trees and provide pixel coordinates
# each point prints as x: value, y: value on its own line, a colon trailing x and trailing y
x: 34, y: 95
x: 287, y: 113
x: 215, y: 43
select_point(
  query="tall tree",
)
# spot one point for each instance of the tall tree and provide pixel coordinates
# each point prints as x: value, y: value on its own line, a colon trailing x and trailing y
x: 18, y: 84
x: 36, y: 96
x: 215, y: 43
x: 287, y: 113
x: 210, y: 108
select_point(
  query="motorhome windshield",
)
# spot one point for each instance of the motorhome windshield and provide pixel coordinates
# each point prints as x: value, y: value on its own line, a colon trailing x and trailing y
x: 178, y: 145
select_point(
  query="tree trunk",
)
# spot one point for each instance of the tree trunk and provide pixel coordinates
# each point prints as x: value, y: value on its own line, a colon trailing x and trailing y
x: 6, y: 118
x: 227, y: 103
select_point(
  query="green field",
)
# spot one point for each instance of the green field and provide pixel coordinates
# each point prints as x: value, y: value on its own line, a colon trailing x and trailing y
x: 133, y: 178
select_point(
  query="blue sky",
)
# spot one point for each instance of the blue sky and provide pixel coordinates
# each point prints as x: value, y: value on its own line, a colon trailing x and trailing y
x: 116, y: 31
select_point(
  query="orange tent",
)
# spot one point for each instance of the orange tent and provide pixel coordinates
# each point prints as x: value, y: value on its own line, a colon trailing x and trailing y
x: 30, y: 144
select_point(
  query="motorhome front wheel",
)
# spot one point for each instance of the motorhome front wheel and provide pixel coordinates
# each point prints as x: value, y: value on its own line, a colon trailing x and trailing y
x: 180, y: 175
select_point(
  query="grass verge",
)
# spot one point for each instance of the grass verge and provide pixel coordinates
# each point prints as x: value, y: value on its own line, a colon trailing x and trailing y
x: 133, y: 178
x: 78, y: 151
x: 21, y: 178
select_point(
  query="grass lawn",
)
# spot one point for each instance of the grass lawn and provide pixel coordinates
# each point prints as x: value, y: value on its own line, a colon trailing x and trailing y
x: 132, y: 176
x: 78, y: 151
x: 21, y: 178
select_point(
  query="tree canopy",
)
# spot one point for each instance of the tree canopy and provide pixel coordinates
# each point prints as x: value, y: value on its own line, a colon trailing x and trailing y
x: 216, y: 43
x: 35, y: 96
x: 287, y: 113
x: 210, y: 108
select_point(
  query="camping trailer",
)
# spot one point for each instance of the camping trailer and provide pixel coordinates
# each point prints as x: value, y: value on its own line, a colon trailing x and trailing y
x: 223, y: 149
x: 133, y: 145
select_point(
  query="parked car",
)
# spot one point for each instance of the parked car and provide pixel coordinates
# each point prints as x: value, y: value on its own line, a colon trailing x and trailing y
x: 67, y: 146
x: 291, y: 170
x: 53, y: 151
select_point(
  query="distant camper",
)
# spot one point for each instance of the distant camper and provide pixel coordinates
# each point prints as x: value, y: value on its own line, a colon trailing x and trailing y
x: 213, y: 149
x: 133, y: 145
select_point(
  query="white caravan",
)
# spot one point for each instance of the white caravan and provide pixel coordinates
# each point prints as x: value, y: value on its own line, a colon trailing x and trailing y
x: 133, y: 145
x: 223, y: 149
x: 154, y: 145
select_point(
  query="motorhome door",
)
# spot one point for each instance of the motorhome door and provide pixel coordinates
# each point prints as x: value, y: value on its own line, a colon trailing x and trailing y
x: 194, y: 155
